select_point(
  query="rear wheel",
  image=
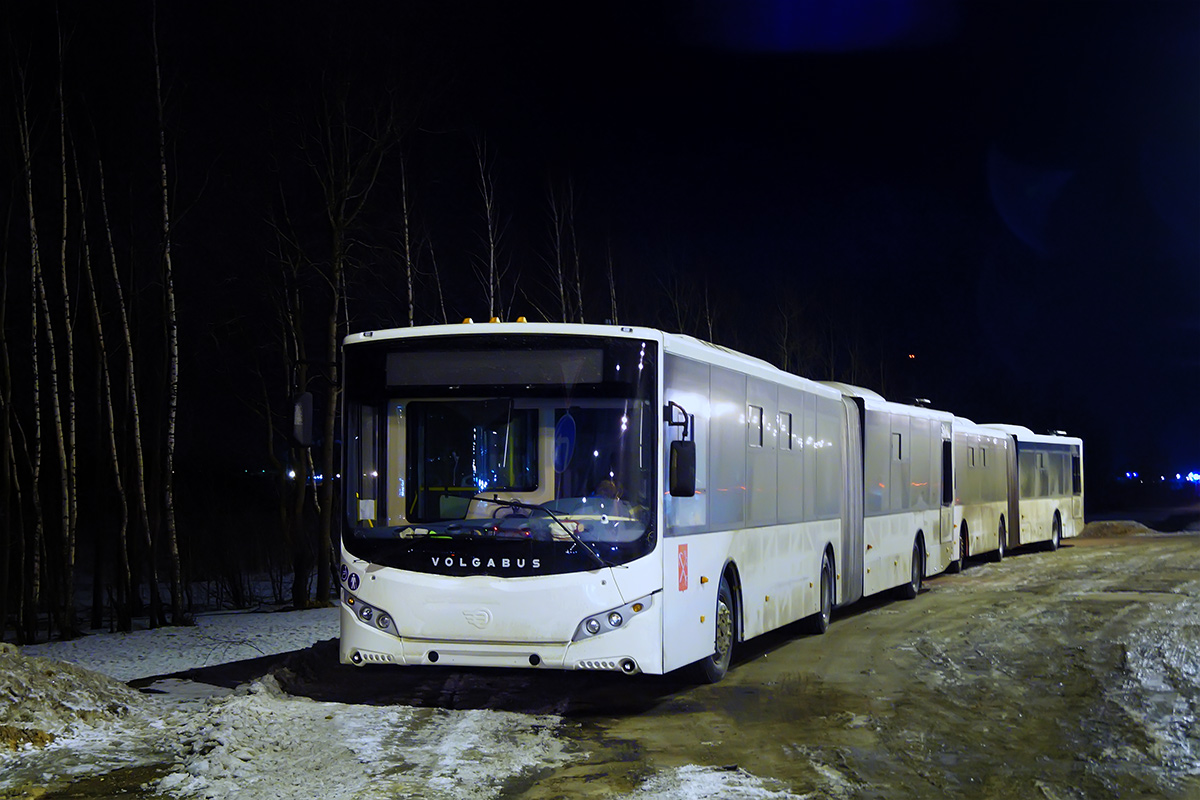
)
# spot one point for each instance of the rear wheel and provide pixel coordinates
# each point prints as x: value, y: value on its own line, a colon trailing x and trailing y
x: 1001, y: 539
x: 1055, y: 534
x: 713, y: 668
x: 819, y: 623
x: 911, y: 589
x: 963, y: 539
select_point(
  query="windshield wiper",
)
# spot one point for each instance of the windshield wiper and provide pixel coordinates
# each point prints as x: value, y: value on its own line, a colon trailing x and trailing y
x: 569, y: 529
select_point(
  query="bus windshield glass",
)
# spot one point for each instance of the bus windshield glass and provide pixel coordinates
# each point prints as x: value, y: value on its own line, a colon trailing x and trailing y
x: 500, y: 455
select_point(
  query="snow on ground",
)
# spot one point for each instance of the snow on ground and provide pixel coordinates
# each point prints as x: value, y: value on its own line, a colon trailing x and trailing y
x: 215, y: 639
x: 60, y: 722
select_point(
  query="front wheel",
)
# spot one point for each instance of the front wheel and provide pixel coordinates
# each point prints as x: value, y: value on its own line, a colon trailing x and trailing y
x: 713, y: 668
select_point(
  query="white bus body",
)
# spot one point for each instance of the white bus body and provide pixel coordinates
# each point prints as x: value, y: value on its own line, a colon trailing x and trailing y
x: 619, y: 498
x: 907, y: 500
x: 509, y: 499
x: 1046, y: 487
x: 981, y: 483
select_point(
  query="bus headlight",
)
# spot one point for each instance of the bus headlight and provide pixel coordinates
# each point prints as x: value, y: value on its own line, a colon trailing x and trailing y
x: 371, y: 615
x: 612, y: 619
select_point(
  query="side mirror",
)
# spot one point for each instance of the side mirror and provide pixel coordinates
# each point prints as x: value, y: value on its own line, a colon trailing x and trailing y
x: 302, y: 420
x: 682, y: 475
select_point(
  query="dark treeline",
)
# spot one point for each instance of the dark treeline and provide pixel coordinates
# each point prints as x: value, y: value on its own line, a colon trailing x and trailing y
x: 166, y: 295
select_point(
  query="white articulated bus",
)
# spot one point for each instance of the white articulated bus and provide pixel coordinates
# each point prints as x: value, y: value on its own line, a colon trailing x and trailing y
x: 1045, y: 487
x: 611, y: 498
x: 982, y: 459
x: 907, y: 491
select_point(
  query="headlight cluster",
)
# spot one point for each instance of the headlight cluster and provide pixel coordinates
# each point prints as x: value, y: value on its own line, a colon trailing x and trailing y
x: 611, y: 620
x: 370, y: 614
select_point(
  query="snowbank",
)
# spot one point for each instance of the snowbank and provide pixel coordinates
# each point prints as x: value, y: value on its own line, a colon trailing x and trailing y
x: 182, y: 739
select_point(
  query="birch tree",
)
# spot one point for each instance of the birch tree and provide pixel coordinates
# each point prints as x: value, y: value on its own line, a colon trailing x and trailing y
x: 565, y: 261
x: 31, y: 597
x: 65, y: 428
x: 124, y: 582
x: 133, y: 403
x: 612, y: 289
x: 10, y: 542
x: 177, y: 615
x: 489, y: 269
x: 346, y: 160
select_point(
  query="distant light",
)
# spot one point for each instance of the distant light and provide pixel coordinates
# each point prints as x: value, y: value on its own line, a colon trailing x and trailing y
x: 1193, y: 477
x: 1178, y: 476
x: 910, y: 355
x: 292, y: 474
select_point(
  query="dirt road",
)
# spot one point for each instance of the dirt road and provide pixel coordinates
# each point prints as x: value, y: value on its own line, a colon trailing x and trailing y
x: 1072, y: 675
x: 1064, y: 675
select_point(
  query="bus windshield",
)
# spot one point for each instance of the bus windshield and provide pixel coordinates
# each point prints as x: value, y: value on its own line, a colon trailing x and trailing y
x: 509, y: 456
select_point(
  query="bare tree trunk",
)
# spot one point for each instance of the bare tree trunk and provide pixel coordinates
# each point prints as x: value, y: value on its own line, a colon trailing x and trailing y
x: 575, y: 252
x: 612, y: 288
x: 437, y: 280
x: 490, y: 276
x: 407, y: 245
x: 177, y: 615
x: 293, y: 479
x: 708, y: 312
x: 35, y: 544
x: 10, y: 542
x: 139, y: 461
x: 65, y: 430
x: 123, y: 578
x: 556, y: 257
x: 33, y: 550
x: 349, y: 159
x: 20, y: 549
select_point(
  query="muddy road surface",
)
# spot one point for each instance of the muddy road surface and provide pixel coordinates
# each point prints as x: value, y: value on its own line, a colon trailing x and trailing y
x: 1072, y: 675
x: 1059, y: 675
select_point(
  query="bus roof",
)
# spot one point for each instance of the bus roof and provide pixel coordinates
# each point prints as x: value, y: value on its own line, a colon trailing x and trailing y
x: 1023, y: 434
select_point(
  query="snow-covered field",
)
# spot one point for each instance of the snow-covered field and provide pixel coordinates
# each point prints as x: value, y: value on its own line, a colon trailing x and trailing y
x: 66, y: 714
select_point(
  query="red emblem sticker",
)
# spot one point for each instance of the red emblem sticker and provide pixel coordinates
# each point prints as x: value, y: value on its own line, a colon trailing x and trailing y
x: 683, y: 567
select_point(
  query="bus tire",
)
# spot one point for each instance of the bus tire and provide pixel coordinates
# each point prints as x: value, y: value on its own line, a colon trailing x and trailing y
x: 818, y: 623
x: 713, y: 668
x: 963, y: 538
x: 910, y: 590
x: 1001, y: 538
x: 1055, y: 534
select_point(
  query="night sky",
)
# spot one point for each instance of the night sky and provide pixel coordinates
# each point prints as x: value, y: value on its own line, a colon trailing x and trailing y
x: 1009, y: 191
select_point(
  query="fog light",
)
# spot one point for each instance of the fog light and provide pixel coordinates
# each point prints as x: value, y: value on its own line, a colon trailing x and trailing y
x: 366, y: 613
x: 592, y: 625
x: 383, y: 621
x: 615, y: 620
